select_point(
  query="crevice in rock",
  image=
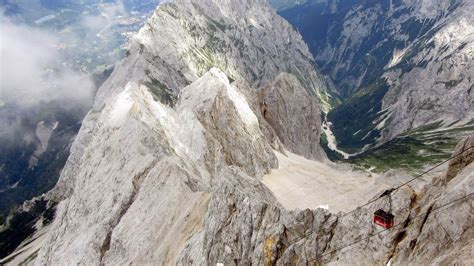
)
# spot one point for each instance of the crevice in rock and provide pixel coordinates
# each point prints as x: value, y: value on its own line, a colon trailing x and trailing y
x: 331, y: 235
x: 263, y: 213
x: 428, y: 212
x: 401, y: 235
x: 447, y: 233
x: 136, y: 182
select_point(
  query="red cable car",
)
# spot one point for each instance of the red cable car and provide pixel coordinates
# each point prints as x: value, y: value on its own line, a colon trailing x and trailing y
x: 383, y: 219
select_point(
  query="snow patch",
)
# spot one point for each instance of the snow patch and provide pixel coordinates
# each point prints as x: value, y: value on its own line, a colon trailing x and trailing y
x: 397, y: 57
x: 382, y: 123
x: 254, y: 23
x: 325, y: 207
x: 122, y: 106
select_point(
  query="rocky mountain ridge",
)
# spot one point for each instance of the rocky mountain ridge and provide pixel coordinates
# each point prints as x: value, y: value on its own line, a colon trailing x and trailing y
x: 163, y: 116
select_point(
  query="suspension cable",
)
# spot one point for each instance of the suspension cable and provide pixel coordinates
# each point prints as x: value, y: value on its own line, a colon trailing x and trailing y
x: 389, y: 191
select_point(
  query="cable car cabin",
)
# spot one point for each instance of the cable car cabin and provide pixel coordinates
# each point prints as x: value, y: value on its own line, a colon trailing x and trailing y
x: 383, y: 219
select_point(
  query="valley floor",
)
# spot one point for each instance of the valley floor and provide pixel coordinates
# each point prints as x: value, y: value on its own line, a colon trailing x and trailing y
x: 300, y: 183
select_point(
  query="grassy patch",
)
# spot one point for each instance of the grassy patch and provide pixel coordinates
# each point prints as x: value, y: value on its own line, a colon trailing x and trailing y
x: 357, y: 115
x: 161, y: 92
x: 405, y: 152
x: 415, y: 149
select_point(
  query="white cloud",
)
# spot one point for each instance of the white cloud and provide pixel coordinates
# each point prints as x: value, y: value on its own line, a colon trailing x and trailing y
x: 94, y: 23
x: 29, y: 71
x: 113, y: 10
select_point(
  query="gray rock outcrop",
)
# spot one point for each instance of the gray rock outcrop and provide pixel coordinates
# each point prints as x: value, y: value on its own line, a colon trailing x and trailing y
x: 431, y: 79
x: 164, y: 132
x: 244, y: 39
x: 146, y: 164
x: 431, y: 227
x: 463, y: 156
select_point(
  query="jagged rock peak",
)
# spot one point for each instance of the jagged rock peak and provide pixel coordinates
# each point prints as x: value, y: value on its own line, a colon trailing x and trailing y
x: 166, y: 167
x: 245, y: 39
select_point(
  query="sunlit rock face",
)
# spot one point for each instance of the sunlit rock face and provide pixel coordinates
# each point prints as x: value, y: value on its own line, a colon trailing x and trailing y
x: 431, y: 80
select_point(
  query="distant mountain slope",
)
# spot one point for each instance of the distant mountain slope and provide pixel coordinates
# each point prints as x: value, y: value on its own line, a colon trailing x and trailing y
x: 400, y: 65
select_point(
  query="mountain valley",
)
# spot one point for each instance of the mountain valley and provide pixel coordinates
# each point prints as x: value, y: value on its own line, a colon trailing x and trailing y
x: 389, y: 61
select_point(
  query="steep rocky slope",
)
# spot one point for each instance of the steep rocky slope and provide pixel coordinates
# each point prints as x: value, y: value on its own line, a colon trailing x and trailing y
x: 167, y: 129
x: 245, y: 40
x: 34, y: 147
x: 399, y: 65
x: 285, y: 4
x: 168, y: 159
x: 171, y: 204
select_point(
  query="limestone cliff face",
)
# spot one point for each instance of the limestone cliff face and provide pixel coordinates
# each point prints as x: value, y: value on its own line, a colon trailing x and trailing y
x: 294, y: 116
x: 144, y: 179
x: 246, y: 40
x: 443, y: 234
x: 464, y: 155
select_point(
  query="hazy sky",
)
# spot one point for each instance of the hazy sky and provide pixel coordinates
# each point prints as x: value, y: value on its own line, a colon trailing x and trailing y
x: 30, y: 67
x: 29, y: 70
